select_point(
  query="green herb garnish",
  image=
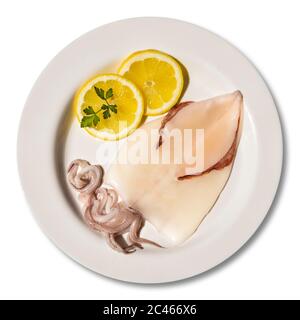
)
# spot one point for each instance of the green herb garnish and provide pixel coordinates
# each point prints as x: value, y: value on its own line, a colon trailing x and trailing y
x: 91, y: 118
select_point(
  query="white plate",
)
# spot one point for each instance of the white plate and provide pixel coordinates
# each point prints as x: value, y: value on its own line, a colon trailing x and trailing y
x: 49, y: 138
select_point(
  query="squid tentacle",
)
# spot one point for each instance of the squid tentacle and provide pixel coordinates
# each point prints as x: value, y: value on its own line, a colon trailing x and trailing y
x: 134, y: 233
x: 102, y: 210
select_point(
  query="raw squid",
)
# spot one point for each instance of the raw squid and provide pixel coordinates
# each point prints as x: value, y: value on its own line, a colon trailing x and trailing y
x: 176, y: 197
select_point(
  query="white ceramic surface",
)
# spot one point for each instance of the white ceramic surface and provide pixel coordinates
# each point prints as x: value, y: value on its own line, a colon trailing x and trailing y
x: 49, y: 138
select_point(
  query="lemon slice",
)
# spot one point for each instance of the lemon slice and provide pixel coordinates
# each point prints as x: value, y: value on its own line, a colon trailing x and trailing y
x: 158, y: 76
x: 125, y: 96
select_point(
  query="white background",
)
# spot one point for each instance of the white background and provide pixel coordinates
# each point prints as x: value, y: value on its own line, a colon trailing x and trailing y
x: 32, y: 32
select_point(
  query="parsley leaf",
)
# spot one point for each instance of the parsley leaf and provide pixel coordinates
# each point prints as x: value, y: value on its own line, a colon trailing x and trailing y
x: 113, y: 108
x: 109, y: 93
x: 100, y: 93
x: 87, y: 121
x: 96, y: 120
x: 91, y: 119
x: 89, y: 110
